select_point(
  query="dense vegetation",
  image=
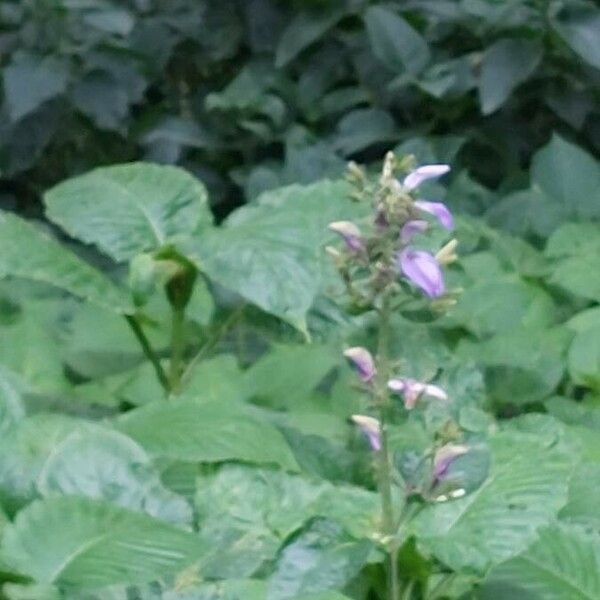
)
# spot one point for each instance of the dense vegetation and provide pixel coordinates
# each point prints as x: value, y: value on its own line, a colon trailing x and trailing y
x: 264, y: 374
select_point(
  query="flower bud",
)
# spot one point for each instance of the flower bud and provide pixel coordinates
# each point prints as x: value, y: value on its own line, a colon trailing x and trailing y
x: 371, y: 429
x: 350, y: 233
x: 444, y: 457
x: 447, y: 255
x: 422, y: 269
x: 363, y: 363
x: 412, y: 390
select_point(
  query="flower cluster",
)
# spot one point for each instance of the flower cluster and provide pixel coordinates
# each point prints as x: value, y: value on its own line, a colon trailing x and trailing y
x: 372, y: 264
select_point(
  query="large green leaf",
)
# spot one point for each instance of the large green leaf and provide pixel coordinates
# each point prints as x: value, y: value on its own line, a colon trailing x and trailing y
x: 27, y: 252
x: 30, y: 80
x: 228, y: 589
x: 569, y: 177
x: 24, y: 451
x: 88, y: 543
x: 270, y: 252
x: 322, y: 557
x: 584, y: 358
x: 12, y: 409
x: 107, y: 465
x: 506, y: 64
x: 526, y: 487
x: 130, y: 208
x: 563, y: 564
x: 579, y: 26
x: 206, y: 432
x: 394, y: 42
x: 582, y: 507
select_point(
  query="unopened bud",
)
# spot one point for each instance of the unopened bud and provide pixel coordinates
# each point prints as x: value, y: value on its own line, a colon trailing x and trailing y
x: 389, y: 164
x: 350, y: 233
x: 447, y: 254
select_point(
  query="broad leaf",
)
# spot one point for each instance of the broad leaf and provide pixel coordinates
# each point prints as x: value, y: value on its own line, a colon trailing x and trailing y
x: 271, y: 252
x: 27, y: 252
x: 322, y: 557
x: 579, y: 25
x: 131, y: 208
x: 305, y: 29
x: 584, y: 358
x: 206, y: 432
x: 31, y: 80
x: 102, y: 545
x: 506, y: 64
x: 107, y: 465
x: 12, y: 409
x: 394, y: 42
x: 228, y: 589
x: 569, y: 177
x: 582, y: 507
x: 523, y: 492
x: 563, y: 564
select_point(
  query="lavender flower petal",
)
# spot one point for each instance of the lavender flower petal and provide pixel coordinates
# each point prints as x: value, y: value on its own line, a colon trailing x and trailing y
x: 412, y: 390
x: 422, y: 269
x: 363, y: 362
x: 421, y: 174
x: 439, y: 210
x: 412, y: 228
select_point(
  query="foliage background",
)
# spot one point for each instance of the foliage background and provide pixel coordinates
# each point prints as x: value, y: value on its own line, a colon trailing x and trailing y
x: 253, y: 94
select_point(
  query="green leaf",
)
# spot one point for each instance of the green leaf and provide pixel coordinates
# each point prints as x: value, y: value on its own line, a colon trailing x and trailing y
x: 107, y: 465
x: 584, y: 358
x: 270, y: 252
x: 582, y: 507
x: 303, y: 30
x: 12, y: 409
x: 569, y: 177
x: 206, y: 432
x: 102, y: 545
x: 24, y: 451
x: 578, y: 25
x: 523, y: 492
x: 31, y: 80
x: 228, y: 589
x: 394, y: 42
x: 506, y: 64
x: 322, y: 557
x: 363, y: 127
x: 27, y: 252
x: 287, y: 375
x: 563, y: 564
x: 131, y: 208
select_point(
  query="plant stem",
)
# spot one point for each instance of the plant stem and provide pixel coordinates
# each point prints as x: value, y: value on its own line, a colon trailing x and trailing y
x: 148, y: 350
x: 233, y: 318
x: 177, y: 347
x: 388, y: 521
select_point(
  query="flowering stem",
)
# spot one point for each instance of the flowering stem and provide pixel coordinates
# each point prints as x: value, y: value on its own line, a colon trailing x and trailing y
x: 148, y: 351
x: 177, y: 347
x: 388, y: 521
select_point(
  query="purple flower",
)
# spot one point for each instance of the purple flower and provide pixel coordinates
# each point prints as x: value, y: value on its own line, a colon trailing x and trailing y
x: 421, y: 174
x: 423, y: 270
x: 412, y: 390
x: 363, y: 363
x: 371, y: 429
x: 412, y: 228
x: 444, y: 457
x: 439, y: 210
x: 350, y: 233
